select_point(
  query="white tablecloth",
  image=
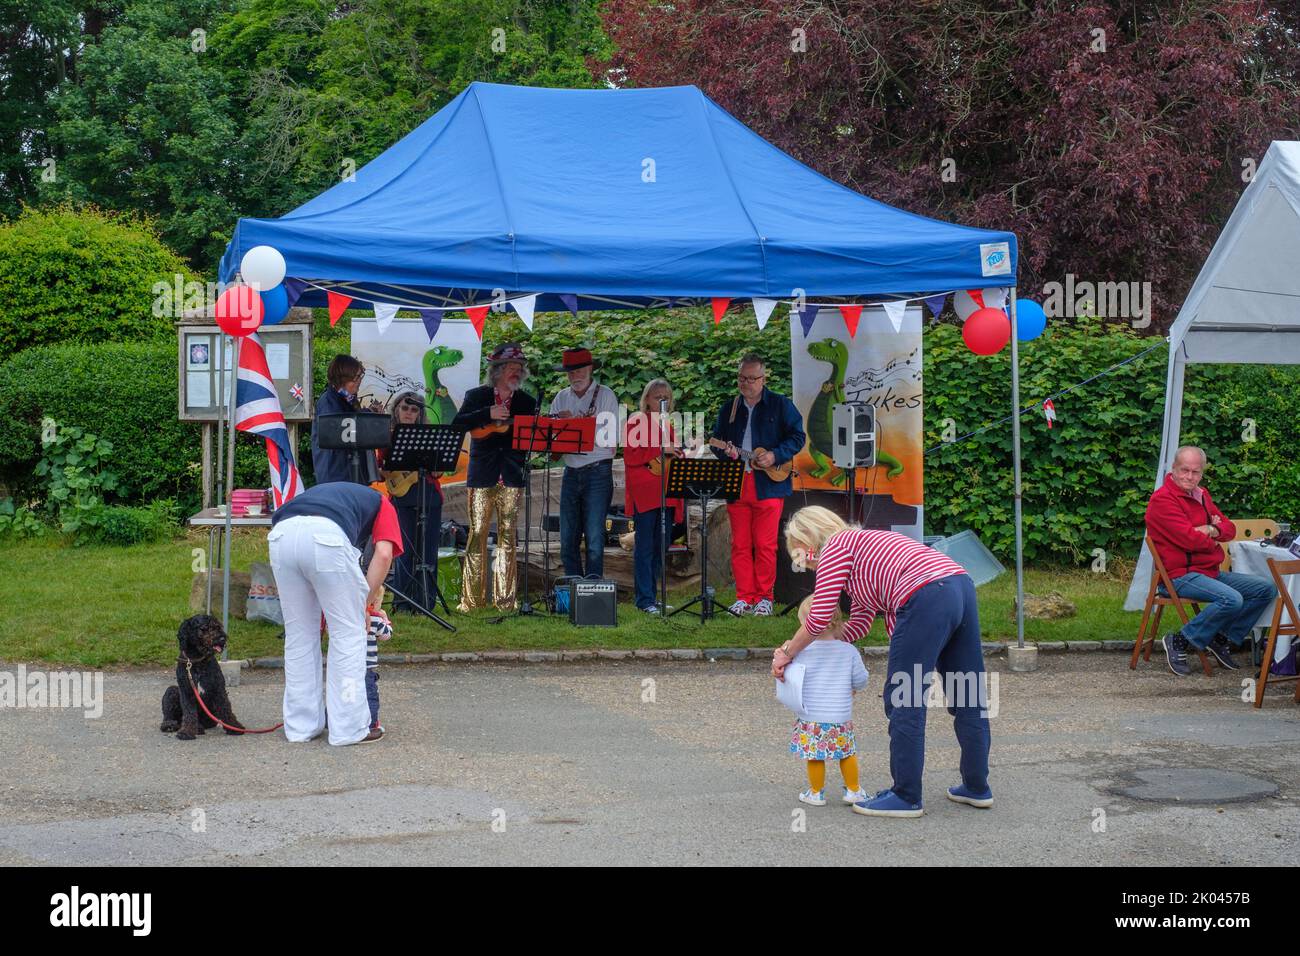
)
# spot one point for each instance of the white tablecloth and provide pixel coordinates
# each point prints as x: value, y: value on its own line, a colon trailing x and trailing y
x: 1248, y: 557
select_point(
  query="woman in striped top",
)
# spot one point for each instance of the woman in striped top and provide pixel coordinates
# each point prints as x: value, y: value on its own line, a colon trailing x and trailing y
x: 928, y: 602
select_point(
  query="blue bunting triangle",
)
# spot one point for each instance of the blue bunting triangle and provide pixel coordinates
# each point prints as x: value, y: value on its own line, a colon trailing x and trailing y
x: 432, y: 318
x: 807, y: 316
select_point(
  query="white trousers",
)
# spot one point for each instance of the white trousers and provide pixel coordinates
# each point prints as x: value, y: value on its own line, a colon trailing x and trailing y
x: 318, y: 570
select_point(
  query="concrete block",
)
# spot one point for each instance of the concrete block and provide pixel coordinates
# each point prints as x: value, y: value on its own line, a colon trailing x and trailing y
x: 1022, y: 659
x: 685, y: 654
x: 230, y: 671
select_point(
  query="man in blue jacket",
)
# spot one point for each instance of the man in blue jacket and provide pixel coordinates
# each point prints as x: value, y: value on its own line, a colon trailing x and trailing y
x: 757, y: 418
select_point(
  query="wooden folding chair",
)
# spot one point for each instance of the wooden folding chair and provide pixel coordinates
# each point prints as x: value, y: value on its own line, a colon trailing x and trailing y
x: 1159, y: 576
x: 1255, y: 529
x: 1279, y: 570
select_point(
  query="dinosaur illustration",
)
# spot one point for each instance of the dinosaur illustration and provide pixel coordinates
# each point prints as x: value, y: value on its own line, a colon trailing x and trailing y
x: 818, y: 424
x: 438, y: 400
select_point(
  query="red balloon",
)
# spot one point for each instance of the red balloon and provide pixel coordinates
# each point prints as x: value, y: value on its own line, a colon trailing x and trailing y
x: 987, y: 331
x: 239, y: 311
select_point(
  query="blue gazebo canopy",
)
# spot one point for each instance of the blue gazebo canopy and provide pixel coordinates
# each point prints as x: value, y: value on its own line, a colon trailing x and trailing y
x: 624, y: 198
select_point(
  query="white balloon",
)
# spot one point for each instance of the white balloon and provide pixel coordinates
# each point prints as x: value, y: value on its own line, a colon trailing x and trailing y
x: 262, y: 267
x: 995, y: 298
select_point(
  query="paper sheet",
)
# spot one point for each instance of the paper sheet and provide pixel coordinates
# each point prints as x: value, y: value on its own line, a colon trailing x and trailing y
x: 790, y: 691
x: 198, y: 390
x: 277, y: 359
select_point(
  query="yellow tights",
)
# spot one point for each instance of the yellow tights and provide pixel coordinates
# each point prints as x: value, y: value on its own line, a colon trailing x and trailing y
x: 848, y: 770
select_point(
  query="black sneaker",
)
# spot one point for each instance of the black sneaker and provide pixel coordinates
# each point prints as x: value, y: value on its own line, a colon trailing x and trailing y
x: 1175, y: 646
x: 1222, y: 650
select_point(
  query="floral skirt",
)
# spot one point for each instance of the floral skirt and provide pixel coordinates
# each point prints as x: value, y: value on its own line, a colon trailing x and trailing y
x: 813, y: 741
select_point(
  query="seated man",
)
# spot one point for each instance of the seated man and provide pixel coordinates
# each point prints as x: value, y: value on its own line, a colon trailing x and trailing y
x: 1187, y: 530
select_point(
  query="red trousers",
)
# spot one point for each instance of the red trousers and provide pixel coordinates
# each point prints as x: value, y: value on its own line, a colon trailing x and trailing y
x: 754, y: 527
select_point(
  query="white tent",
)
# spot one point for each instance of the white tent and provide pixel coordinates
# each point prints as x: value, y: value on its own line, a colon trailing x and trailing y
x: 1244, y: 306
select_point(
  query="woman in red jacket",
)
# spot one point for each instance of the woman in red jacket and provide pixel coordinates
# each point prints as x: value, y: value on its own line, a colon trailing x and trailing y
x: 1188, y: 529
x: 641, y: 453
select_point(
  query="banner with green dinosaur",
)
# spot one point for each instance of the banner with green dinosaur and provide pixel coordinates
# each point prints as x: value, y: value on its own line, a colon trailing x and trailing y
x: 882, y: 368
x: 403, y: 359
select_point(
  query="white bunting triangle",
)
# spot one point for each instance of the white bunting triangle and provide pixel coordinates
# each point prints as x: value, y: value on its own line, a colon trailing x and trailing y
x: 525, y: 307
x: 995, y: 298
x: 763, y: 311
x: 895, y: 311
x: 384, y: 312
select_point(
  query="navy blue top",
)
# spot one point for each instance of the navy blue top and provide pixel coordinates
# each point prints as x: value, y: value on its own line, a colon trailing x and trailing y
x: 352, y: 507
x: 330, y: 464
x: 778, y: 427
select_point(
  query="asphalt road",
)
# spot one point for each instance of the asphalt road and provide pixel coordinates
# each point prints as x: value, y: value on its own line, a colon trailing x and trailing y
x: 567, y: 764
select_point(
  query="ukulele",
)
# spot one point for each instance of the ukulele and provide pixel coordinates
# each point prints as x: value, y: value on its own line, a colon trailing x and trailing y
x: 775, y: 472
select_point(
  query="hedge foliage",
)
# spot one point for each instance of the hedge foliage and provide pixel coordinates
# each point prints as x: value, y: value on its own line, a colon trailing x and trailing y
x: 81, y: 276
x: 1086, y: 480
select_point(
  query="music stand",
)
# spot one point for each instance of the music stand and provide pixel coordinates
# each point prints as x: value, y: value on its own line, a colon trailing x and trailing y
x: 703, y: 479
x: 551, y: 436
x: 425, y: 448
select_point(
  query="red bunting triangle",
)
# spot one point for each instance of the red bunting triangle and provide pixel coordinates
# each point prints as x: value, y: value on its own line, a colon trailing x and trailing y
x: 978, y: 296
x: 851, y: 315
x: 477, y: 316
x: 338, y: 305
x: 719, y: 307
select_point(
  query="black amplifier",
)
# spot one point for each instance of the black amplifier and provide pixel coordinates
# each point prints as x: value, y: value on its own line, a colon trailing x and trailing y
x: 593, y: 603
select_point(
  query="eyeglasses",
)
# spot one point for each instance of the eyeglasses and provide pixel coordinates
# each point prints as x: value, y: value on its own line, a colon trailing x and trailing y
x: 749, y: 379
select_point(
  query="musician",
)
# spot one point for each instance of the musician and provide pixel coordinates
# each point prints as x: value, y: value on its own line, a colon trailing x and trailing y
x: 339, y: 398
x: 757, y: 418
x: 404, y: 491
x: 643, y: 502
x: 588, y: 483
x: 496, y: 476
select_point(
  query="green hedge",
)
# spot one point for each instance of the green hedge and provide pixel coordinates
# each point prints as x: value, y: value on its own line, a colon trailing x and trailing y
x: 81, y: 276
x: 1086, y: 480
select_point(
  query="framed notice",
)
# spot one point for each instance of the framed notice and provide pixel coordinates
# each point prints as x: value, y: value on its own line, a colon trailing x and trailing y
x: 206, y: 356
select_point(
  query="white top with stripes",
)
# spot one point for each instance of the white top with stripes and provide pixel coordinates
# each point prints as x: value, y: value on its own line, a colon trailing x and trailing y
x: 879, y: 569
x: 834, y: 671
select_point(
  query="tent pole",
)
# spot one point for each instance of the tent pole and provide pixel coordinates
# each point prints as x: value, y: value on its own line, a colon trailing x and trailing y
x: 1015, y: 458
x: 230, y: 484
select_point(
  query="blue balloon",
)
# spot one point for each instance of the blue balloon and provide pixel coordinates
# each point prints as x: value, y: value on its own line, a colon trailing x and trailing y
x: 1030, y: 320
x: 275, y: 305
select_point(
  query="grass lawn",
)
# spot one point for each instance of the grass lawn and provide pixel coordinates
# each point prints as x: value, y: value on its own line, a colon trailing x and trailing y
x: 98, y: 606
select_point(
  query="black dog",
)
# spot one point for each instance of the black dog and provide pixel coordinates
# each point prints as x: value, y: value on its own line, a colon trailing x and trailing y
x: 201, y: 640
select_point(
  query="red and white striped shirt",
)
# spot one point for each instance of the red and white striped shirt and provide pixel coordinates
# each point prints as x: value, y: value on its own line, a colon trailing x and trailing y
x: 880, y: 570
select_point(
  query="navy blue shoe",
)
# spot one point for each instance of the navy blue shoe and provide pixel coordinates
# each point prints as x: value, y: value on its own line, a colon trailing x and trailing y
x: 964, y: 794
x: 887, y: 804
x: 1222, y: 650
x: 1175, y: 646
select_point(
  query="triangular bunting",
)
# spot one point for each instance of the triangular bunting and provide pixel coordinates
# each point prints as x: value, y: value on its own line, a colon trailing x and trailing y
x: 994, y: 298
x: 936, y: 303
x: 432, y: 318
x: 896, y: 311
x: 977, y: 296
x: 807, y: 316
x: 338, y: 305
x: 851, y: 313
x: 570, y: 303
x: 384, y: 312
x: 763, y: 311
x: 293, y: 290
x: 719, y: 307
x: 477, y: 316
x: 524, y: 307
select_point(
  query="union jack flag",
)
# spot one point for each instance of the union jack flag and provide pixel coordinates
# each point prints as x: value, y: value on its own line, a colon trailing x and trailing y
x: 296, y: 391
x: 257, y: 410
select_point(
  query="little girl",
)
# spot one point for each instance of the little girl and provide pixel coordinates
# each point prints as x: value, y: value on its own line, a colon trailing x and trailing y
x: 834, y: 673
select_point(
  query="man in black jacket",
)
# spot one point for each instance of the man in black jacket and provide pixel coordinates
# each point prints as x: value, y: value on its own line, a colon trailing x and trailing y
x: 496, y: 476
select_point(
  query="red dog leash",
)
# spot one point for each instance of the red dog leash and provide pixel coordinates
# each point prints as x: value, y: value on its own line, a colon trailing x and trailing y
x: 233, y: 730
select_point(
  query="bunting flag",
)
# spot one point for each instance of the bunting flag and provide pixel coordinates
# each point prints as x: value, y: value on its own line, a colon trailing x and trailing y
x: 851, y: 313
x: 1049, y: 410
x: 895, y: 311
x: 338, y: 305
x: 936, y: 304
x: 257, y: 410
x: 719, y: 307
x: 384, y: 312
x: 763, y: 311
x: 432, y: 318
x: 524, y: 307
x: 293, y: 290
x: 570, y: 302
x: 978, y: 296
x: 807, y: 316
x: 477, y: 316
x: 994, y: 298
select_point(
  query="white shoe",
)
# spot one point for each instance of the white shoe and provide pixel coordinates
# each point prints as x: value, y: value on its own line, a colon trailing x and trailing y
x: 853, y: 796
x: 740, y: 607
x: 652, y: 609
x: 817, y: 799
x: 763, y: 608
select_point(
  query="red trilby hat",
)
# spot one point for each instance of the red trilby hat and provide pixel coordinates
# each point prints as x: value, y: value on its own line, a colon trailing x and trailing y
x: 574, y: 359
